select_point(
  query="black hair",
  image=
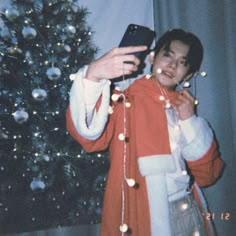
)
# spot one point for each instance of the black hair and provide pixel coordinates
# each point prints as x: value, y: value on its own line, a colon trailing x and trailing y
x: 195, y: 53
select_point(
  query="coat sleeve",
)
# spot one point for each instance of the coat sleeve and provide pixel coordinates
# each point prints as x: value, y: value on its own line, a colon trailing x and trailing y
x: 202, y: 153
x: 92, y: 134
x: 208, y: 168
x: 89, y: 145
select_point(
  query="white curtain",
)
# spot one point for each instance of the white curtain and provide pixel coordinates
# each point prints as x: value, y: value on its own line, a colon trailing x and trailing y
x: 109, y: 19
x: 214, y: 22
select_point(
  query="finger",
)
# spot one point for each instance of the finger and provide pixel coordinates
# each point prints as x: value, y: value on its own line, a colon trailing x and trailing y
x: 130, y: 59
x: 187, y: 94
x: 181, y: 97
x: 127, y: 68
x: 184, y: 100
x: 128, y: 50
x: 119, y: 61
x: 186, y: 97
x: 181, y: 100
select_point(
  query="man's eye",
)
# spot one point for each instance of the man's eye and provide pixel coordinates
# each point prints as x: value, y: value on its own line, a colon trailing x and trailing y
x: 166, y: 54
x: 184, y: 62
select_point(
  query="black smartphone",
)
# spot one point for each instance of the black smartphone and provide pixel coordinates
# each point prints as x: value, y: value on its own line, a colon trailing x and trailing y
x: 137, y: 35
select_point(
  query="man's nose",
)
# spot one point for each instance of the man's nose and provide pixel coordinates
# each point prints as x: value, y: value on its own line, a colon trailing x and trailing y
x: 173, y: 63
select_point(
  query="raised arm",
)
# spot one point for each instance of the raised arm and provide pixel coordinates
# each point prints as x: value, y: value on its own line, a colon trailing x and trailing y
x: 113, y: 64
x: 90, y: 92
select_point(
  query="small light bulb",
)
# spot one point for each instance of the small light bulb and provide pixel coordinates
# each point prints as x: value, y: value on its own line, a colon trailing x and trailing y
x: 121, y: 137
x: 128, y: 104
x: 124, y: 228
x: 196, y: 233
x: 162, y: 98
x: 110, y: 110
x: 159, y: 71
x: 168, y: 104
x: 186, y: 84
x: 117, y: 88
x: 203, y: 74
x: 177, y: 128
x: 184, y: 206
x: 130, y: 182
x: 114, y: 97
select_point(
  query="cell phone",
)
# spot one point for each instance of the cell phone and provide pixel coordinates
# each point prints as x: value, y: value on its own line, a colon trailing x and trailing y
x: 137, y: 35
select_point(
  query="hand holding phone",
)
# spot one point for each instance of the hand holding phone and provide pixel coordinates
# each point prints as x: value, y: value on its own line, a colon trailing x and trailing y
x: 103, y: 68
x: 137, y: 35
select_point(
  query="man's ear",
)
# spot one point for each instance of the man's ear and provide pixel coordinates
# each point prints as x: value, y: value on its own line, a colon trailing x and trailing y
x: 151, y: 57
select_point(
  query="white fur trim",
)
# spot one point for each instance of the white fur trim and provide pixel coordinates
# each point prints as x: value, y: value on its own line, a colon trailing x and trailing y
x: 155, y: 164
x: 80, y: 73
x: 159, y: 206
x: 78, y: 111
x: 189, y: 128
x: 201, y: 142
x: 154, y: 168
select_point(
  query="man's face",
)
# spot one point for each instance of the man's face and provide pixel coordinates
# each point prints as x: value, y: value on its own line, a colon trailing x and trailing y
x: 170, y: 66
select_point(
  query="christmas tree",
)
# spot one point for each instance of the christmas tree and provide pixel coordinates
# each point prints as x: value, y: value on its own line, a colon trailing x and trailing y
x: 46, y: 179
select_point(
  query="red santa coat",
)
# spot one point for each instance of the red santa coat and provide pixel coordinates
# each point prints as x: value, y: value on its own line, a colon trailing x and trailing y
x: 146, y: 134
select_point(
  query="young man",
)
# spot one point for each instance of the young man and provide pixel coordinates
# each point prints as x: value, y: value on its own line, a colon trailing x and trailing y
x: 161, y: 151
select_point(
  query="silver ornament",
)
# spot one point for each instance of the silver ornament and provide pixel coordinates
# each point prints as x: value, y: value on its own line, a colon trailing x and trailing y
x: 46, y: 157
x: 3, y: 135
x: 39, y: 94
x: 70, y: 30
x: 28, y: 57
x: 37, y: 184
x: 11, y: 13
x: 67, y: 48
x: 20, y: 116
x: 29, y: 32
x: 53, y: 73
x: 5, y: 33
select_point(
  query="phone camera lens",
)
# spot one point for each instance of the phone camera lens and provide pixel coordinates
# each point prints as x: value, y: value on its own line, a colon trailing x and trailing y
x: 133, y: 29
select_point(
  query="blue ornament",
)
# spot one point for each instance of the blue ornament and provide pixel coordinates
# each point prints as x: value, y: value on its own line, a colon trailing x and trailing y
x: 20, y: 116
x: 53, y: 73
x: 29, y: 32
x: 39, y: 94
x: 37, y: 184
x: 11, y: 13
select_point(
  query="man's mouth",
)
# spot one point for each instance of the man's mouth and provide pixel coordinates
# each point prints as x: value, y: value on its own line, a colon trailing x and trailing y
x: 168, y: 74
